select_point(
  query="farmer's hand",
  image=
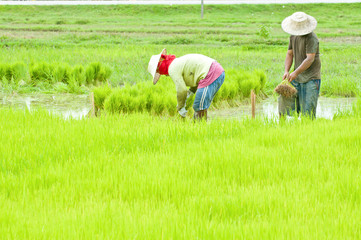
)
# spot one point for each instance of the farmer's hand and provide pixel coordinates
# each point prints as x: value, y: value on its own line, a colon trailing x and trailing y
x: 292, y: 76
x: 286, y: 75
x: 183, y: 112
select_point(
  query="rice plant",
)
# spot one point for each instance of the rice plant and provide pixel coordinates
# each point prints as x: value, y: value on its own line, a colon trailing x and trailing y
x: 15, y: 72
x: 138, y: 176
x: 42, y: 72
x: 78, y: 73
x: 62, y: 73
x: 161, y: 98
x: 48, y: 76
x: 97, y: 73
x: 18, y: 72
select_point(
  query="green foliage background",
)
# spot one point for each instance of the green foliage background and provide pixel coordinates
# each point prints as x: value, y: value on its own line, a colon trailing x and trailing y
x: 124, y: 38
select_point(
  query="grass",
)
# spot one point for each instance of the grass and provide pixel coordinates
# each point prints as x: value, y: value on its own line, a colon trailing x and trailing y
x: 238, y: 36
x: 105, y: 178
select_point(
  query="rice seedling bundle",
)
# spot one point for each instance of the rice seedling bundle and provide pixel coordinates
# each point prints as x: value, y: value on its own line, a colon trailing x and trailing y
x: 13, y: 72
x: 41, y: 72
x: 18, y: 72
x: 286, y: 89
x: 78, y: 73
x: 97, y: 72
x: 62, y: 73
x: 101, y: 94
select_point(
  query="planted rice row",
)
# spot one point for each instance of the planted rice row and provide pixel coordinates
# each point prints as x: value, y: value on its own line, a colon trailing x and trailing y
x: 161, y: 99
x: 19, y: 73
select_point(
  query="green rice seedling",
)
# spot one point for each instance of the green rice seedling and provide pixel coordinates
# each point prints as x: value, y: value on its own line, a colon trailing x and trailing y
x: 97, y: 72
x: 8, y: 72
x: 113, y: 102
x: 142, y: 103
x: 41, y: 72
x: 137, y: 176
x: 233, y: 90
x: 104, y: 74
x: 161, y: 98
x: 171, y: 103
x: 100, y: 94
x: 262, y: 78
x: 4, y: 82
x: 60, y: 87
x: 3, y: 69
x: 149, y: 101
x: 223, y: 92
x: 90, y: 75
x: 44, y: 86
x: 158, y: 105
x: 248, y: 83
x: 73, y: 86
x: 239, y: 83
x: 18, y: 72
x: 118, y: 102
x: 62, y: 73
x: 135, y: 105
x: 78, y: 73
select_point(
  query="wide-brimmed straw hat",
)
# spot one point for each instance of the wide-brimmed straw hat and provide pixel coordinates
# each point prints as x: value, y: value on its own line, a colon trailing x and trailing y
x: 299, y: 24
x: 153, y: 65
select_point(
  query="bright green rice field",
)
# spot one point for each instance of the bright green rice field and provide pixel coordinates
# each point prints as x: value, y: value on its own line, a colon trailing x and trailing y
x: 142, y: 177
x: 138, y: 176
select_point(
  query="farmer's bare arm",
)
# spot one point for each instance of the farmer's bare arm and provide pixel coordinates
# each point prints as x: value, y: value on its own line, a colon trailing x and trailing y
x: 288, y: 64
x: 305, y: 65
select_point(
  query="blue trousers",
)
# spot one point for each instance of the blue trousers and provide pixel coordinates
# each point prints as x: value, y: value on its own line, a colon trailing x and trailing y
x: 204, y: 96
x: 304, y: 102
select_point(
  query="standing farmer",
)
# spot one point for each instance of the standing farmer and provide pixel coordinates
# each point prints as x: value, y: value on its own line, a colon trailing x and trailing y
x: 203, y: 75
x: 303, y: 49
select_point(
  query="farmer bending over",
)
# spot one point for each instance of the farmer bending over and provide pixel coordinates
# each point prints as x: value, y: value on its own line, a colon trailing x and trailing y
x: 203, y: 75
x: 306, y: 78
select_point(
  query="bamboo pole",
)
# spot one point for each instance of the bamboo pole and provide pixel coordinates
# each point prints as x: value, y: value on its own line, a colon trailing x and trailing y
x: 92, y: 104
x: 201, y: 9
x: 253, y: 102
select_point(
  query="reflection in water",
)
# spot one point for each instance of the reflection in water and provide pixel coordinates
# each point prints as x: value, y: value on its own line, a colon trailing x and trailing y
x: 78, y: 106
x: 67, y: 105
x: 326, y: 108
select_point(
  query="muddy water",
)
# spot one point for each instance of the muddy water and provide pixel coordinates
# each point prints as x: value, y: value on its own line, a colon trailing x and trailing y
x: 78, y: 106
x: 67, y: 105
x: 326, y: 108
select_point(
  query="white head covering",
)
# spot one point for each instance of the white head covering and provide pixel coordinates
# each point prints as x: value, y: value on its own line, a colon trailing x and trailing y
x: 299, y: 24
x: 153, y: 65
